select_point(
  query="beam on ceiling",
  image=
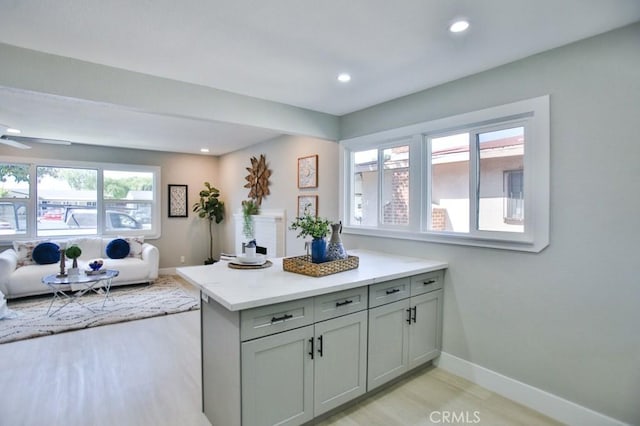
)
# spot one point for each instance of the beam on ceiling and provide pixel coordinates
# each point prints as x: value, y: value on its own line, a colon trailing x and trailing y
x: 41, y: 72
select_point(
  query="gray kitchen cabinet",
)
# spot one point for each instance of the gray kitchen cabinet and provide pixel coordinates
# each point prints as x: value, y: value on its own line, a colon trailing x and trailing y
x: 406, y: 333
x: 293, y: 376
x: 425, y: 331
x: 388, y: 342
x: 340, y: 361
x: 277, y: 379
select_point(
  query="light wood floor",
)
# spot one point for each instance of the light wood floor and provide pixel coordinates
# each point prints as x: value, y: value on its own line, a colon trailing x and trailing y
x: 147, y: 372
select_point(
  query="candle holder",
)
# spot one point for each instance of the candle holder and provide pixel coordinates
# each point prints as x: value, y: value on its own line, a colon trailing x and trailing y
x: 62, y: 273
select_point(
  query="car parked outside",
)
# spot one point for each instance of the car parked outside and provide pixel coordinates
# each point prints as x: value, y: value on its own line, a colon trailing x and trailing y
x: 114, y: 220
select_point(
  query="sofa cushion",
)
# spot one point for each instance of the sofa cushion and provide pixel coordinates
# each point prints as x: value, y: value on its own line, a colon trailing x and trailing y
x: 118, y: 249
x: 91, y: 246
x: 25, y: 251
x: 46, y: 253
x: 135, y: 245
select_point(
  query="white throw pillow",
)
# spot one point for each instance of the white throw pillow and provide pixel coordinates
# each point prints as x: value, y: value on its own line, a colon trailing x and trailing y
x: 135, y: 246
x: 25, y: 251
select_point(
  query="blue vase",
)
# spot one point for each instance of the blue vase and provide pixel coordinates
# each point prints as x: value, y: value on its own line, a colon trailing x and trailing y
x: 335, y: 248
x: 318, y: 250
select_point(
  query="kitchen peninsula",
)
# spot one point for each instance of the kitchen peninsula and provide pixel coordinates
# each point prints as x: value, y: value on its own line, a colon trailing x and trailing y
x: 283, y: 348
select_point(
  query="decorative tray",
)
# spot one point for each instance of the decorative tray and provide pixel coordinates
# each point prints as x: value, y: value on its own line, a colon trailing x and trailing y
x: 98, y: 272
x: 234, y: 265
x: 303, y: 265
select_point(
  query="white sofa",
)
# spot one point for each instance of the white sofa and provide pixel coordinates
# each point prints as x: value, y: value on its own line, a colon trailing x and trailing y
x: 18, y: 281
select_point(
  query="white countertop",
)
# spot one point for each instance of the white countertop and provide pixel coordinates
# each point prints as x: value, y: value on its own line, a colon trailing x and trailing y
x: 243, y: 289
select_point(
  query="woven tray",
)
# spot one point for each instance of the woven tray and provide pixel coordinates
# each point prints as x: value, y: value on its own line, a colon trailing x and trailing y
x: 303, y: 265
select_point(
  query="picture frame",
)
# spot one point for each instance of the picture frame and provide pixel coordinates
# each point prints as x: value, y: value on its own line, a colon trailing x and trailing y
x: 178, y: 200
x: 308, y: 172
x: 304, y: 200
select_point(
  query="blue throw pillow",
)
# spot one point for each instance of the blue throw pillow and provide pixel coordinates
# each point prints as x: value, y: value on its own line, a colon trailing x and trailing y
x: 46, y: 253
x: 118, y: 249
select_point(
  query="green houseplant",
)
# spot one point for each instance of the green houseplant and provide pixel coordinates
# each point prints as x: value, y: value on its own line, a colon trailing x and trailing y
x: 211, y: 208
x: 73, y: 252
x: 249, y: 208
x: 317, y: 228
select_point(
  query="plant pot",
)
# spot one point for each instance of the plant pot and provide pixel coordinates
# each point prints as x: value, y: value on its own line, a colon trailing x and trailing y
x: 318, y: 250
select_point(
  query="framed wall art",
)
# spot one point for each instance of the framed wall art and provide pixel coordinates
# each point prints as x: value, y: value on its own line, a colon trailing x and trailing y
x: 310, y: 202
x: 308, y: 172
x: 178, y: 201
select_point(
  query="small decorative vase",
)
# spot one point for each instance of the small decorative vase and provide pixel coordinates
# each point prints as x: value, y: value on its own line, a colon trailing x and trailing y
x: 318, y: 250
x: 335, y: 249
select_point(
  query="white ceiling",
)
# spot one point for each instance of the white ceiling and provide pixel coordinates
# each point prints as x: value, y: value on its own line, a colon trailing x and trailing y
x: 286, y: 51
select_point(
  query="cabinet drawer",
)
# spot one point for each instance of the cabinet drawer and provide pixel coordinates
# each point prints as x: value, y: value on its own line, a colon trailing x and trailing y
x: 340, y: 303
x: 425, y: 283
x: 388, y: 291
x: 265, y: 320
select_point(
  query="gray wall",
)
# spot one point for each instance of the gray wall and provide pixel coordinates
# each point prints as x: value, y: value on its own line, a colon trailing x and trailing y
x: 282, y: 155
x: 564, y: 320
x: 186, y: 237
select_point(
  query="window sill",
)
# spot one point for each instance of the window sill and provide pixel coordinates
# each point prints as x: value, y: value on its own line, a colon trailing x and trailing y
x: 532, y: 247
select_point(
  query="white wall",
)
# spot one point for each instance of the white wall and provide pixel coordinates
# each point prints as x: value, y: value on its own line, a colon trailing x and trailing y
x: 564, y: 320
x: 282, y: 158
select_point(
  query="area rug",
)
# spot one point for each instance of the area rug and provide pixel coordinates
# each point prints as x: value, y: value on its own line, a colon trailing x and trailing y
x: 165, y: 296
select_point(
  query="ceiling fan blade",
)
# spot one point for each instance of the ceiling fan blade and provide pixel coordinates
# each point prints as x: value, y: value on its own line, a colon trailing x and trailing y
x: 13, y: 143
x: 40, y: 140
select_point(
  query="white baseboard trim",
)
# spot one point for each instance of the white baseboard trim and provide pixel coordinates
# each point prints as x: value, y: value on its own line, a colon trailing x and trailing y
x: 167, y: 271
x: 544, y: 402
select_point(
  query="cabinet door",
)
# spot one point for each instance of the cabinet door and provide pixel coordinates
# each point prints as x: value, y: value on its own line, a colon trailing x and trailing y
x: 277, y: 379
x: 340, y: 361
x: 388, y: 342
x: 425, y: 332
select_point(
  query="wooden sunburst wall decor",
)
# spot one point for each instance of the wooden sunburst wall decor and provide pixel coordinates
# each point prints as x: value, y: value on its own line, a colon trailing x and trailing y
x: 258, y: 179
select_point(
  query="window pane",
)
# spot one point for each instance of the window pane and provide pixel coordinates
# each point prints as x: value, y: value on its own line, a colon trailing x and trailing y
x: 365, y: 193
x: 126, y: 216
x: 500, y: 185
x: 130, y: 196
x: 67, y: 200
x: 395, y: 187
x: 450, y: 183
x: 128, y: 185
x: 14, y: 192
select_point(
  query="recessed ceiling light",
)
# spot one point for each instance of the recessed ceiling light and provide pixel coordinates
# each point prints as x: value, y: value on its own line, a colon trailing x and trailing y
x: 14, y: 131
x: 344, y: 77
x: 459, y: 26
x: 204, y: 149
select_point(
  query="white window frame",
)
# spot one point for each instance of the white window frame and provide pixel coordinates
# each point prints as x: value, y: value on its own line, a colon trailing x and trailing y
x: 33, y: 163
x: 532, y: 114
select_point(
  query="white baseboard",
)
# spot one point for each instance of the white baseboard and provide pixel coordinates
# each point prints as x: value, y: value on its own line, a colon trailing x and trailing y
x: 167, y: 271
x: 544, y: 402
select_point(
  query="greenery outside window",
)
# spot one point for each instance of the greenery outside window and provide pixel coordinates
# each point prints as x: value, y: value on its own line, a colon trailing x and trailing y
x: 479, y: 178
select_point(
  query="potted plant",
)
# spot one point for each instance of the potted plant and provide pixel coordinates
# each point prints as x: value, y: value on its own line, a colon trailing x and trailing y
x: 73, y: 252
x: 317, y: 228
x: 211, y: 208
x: 249, y: 208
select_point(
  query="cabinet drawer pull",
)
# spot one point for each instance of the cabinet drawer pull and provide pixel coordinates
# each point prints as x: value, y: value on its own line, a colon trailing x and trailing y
x: 393, y: 290
x: 428, y: 282
x: 415, y: 313
x: 282, y: 318
x: 311, y: 353
x: 346, y: 302
x: 409, y: 315
x: 320, y: 345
